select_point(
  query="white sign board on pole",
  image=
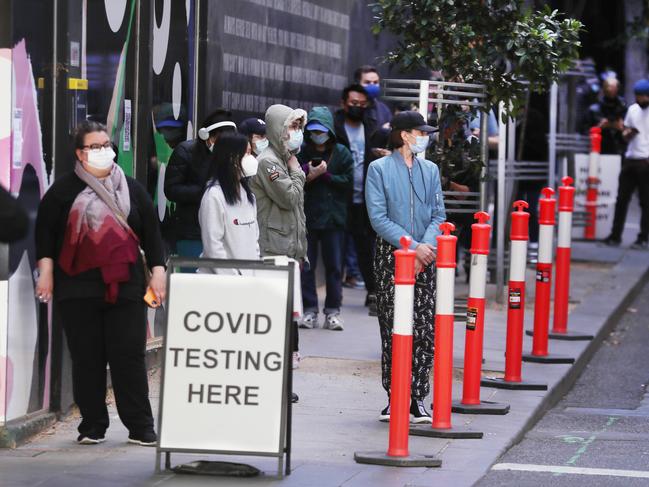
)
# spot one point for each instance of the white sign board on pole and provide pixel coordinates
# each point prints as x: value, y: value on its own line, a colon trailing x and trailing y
x: 224, y: 366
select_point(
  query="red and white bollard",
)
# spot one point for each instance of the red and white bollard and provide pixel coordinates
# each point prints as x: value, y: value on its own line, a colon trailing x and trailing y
x: 544, y: 285
x: 398, y: 453
x: 444, y: 320
x: 474, y: 338
x: 519, y: 236
x: 562, y: 275
x: 593, y: 182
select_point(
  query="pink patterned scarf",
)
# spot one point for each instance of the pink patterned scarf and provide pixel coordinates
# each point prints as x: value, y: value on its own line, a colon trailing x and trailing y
x: 95, y: 237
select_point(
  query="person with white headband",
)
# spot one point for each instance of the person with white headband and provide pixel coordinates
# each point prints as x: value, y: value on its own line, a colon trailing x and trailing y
x: 228, y: 211
x: 185, y: 180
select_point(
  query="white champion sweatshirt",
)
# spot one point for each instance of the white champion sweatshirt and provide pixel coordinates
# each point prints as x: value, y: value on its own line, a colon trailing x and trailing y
x: 228, y: 231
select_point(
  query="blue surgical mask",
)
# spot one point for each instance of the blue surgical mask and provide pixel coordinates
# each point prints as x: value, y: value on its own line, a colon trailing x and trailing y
x: 260, y: 145
x: 296, y: 137
x: 373, y: 91
x: 319, y: 139
x: 421, y: 144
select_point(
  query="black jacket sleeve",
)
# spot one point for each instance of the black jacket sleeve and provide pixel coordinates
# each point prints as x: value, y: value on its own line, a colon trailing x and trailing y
x: 150, y: 237
x: 47, y: 224
x: 178, y: 185
x: 13, y: 219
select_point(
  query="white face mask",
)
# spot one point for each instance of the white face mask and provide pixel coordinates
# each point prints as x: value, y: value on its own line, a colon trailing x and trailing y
x: 101, y: 158
x: 249, y: 166
x: 260, y: 145
x: 296, y: 137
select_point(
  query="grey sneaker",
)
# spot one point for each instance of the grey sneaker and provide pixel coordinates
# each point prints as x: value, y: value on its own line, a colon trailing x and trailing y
x: 309, y: 320
x: 640, y: 245
x: 333, y: 322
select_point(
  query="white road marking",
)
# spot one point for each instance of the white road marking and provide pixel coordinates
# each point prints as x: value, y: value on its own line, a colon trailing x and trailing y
x: 612, y: 472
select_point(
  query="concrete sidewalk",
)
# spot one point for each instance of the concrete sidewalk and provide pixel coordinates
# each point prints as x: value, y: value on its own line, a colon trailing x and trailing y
x: 340, y: 397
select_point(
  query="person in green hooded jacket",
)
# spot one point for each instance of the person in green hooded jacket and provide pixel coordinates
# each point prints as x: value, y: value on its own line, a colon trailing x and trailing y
x: 328, y: 166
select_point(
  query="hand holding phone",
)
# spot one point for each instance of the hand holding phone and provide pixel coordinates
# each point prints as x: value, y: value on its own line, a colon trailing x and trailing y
x: 316, y: 161
x: 151, y: 299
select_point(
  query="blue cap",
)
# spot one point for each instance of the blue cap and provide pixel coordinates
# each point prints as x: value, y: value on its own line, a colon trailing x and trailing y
x: 641, y: 87
x: 316, y: 126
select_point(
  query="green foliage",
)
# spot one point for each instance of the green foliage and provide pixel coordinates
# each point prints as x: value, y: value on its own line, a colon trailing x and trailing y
x: 493, y: 42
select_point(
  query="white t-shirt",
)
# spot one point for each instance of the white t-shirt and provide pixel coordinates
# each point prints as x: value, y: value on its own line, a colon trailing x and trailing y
x: 638, y: 118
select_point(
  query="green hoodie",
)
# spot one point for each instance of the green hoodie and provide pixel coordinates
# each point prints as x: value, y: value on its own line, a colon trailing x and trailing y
x: 326, y: 197
x: 279, y: 190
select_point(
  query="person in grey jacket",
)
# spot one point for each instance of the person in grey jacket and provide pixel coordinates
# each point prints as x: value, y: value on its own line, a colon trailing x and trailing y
x: 404, y: 197
x: 279, y: 185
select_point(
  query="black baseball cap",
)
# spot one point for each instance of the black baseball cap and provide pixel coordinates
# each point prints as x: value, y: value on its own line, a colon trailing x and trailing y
x: 252, y: 126
x: 410, y: 120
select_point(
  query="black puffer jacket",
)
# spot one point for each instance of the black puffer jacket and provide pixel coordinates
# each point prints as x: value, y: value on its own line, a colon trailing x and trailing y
x: 185, y: 180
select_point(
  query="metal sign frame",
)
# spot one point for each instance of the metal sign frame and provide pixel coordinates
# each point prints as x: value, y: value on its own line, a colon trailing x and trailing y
x: 284, y: 447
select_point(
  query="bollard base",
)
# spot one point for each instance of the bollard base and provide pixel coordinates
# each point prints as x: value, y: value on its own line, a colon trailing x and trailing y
x: 455, y: 433
x: 500, y: 383
x: 485, y: 407
x: 569, y: 336
x: 548, y: 359
x: 412, y: 460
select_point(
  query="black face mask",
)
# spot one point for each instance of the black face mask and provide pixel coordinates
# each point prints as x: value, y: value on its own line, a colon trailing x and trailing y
x: 643, y: 104
x: 355, y: 113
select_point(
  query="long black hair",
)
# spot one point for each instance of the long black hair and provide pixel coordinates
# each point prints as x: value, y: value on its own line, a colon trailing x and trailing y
x: 225, y: 167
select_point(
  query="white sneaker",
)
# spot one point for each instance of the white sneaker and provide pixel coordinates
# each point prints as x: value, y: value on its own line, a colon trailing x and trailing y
x: 309, y: 320
x: 296, y: 360
x: 333, y: 322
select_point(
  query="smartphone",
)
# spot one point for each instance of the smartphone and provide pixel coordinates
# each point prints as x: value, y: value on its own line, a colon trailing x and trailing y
x: 316, y: 161
x: 151, y: 299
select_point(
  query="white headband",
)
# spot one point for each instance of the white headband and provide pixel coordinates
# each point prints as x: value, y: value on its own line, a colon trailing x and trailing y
x: 204, y: 132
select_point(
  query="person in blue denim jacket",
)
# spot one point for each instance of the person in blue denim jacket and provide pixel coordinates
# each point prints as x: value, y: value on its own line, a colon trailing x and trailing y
x: 403, y: 194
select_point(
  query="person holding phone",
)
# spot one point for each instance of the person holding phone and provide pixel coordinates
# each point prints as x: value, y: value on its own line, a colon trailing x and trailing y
x: 90, y: 227
x: 329, y: 168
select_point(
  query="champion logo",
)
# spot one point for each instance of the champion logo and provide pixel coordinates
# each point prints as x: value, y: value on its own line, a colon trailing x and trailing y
x: 237, y: 222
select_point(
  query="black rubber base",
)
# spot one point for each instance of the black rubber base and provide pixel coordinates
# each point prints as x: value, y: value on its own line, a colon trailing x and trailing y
x: 570, y: 336
x: 226, y: 469
x: 456, y: 433
x: 548, y: 359
x: 412, y: 460
x: 500, y: 383
x: 485, y: 407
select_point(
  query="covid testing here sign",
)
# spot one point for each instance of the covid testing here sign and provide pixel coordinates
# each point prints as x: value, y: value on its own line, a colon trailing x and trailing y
x: 224, y: 374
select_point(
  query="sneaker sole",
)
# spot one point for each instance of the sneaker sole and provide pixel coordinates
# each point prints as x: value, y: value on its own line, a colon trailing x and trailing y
x: 142, y: 443
x: 384, y: 419
x: 90, y: 441
x: 425, y: 420
x: 307, y: 327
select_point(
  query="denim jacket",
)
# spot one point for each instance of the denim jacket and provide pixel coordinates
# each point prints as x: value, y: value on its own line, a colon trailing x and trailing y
x: 402, y: 201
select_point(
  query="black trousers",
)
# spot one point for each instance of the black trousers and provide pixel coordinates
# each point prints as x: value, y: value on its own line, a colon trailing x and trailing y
x: 634, y: 174
x: 364, y: 237
x: 99, y: 333
x: 423, y: 333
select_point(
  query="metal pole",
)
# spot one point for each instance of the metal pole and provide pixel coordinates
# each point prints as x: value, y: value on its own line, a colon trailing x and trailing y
x: 552, y: 144
x: 423, y: 105
x: 484, y: 147
x: 500, y: 210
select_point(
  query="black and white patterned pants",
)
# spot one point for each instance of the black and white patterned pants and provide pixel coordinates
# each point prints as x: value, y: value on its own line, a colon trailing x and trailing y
x: 423, y: 323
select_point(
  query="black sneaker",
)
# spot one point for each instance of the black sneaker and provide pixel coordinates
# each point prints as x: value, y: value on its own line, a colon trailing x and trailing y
x: 419, y: 413
x: 370, y: 299
x: 384, y: 417
x: 640, y: 245
x: 90, y: 439
x: 294, y: 398
x: 612, y: 241
x: 145, y: 439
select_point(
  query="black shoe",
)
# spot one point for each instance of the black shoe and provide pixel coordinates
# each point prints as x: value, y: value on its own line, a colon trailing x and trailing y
x: 370, y: 299
x: 90, y: 439
x: 373, y: 310
x: 612, y: 241
x: 384, y: 417
x: 419, y: 413
x: 294, y: 398
x: 145, y: 439
x: 640, y: 244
